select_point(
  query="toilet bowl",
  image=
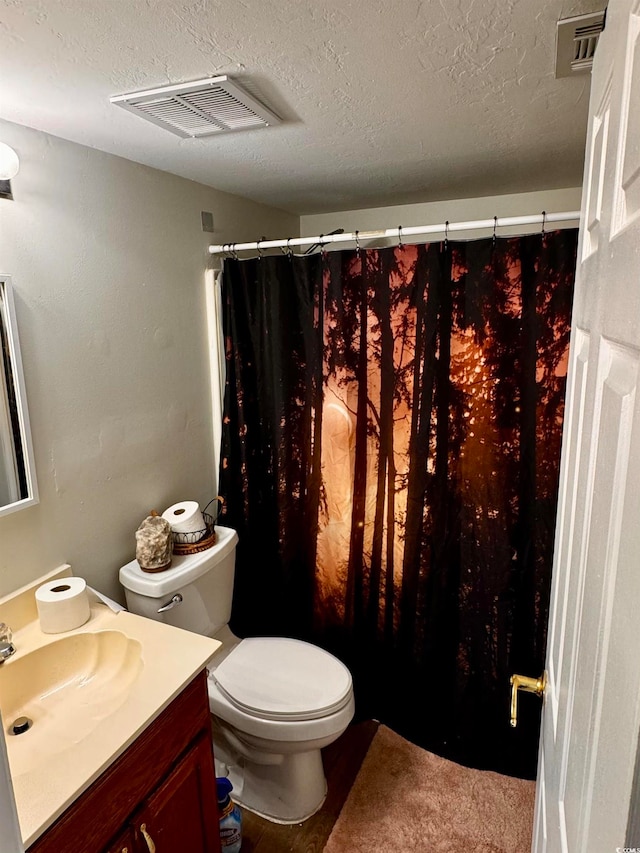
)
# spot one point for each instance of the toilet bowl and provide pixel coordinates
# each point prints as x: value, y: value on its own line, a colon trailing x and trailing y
x: 275, y: 702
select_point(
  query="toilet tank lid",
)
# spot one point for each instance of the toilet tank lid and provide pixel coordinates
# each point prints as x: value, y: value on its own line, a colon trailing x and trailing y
x: 184, y: 569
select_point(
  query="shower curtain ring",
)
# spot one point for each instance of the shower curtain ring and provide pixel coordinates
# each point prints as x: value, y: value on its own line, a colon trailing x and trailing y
x: 446, y: 235
x: 260, y: 252
x: 286, y: 251
x: 400, y: 243
x: 323, y: 251
x: 234, y: 253
x: 544, y: 216
x: 289, y: 249
x: 495, y: 225
x: 357, y: 244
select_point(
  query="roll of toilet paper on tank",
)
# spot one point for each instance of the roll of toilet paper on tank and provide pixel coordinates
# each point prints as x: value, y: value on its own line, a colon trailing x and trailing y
x: 185, y: 517
x: 62, y: 605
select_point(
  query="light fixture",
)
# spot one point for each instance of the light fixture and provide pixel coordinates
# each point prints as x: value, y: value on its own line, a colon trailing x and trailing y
x: 9, y: 163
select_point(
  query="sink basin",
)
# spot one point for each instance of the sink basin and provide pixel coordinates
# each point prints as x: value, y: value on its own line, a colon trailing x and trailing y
x: 66, y: 688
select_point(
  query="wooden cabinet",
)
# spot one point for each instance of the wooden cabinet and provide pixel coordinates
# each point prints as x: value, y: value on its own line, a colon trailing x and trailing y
x: 124, y: 844
x: 176, y: 816
x: 160, y: 795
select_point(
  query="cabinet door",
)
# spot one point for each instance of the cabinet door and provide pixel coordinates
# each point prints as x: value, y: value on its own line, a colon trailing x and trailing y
x: 182, y: 815
x: 124, y: 844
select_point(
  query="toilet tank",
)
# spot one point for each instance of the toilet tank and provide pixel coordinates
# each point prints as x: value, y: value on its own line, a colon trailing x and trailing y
x: 204, y: 582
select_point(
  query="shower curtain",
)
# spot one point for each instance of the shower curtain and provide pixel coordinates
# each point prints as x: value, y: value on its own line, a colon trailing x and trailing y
x: 390, y: 455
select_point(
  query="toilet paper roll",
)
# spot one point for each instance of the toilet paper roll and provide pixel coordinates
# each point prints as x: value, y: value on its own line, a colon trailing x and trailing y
x: 62, y: 605
x: 185, y: 517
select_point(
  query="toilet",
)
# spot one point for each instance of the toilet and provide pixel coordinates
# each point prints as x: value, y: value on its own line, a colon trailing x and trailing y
x: 275, y: 702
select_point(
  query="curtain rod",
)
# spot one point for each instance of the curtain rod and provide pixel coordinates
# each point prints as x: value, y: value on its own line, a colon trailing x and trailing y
x: 541, y: 219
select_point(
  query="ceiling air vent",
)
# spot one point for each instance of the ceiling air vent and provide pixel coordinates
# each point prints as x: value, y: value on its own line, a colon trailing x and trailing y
x: 577, y: 42
x: 201, y: 108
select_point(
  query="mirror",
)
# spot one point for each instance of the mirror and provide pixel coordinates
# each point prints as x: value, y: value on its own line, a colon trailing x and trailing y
x: 18, y: 487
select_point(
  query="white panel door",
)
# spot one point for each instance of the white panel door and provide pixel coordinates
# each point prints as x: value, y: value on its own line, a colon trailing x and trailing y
x: 591, y: 716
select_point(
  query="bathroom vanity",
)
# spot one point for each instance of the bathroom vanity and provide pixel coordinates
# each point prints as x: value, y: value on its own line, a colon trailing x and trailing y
x: 160, y: 795
x: 118, y: 755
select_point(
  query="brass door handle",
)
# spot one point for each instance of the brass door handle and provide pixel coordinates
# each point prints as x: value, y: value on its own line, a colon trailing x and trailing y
x: 150, y: 845
x: 529, y: 685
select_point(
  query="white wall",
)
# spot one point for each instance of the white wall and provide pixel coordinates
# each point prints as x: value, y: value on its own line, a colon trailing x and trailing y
x: 108, y: 260
x: 435, y: 213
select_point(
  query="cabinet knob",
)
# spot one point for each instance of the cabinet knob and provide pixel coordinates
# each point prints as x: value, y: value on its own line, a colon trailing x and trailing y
x: 150, y: 845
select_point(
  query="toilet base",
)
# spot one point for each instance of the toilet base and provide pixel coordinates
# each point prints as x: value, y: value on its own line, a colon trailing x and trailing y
x: 273, y: 818
x: 284, y: 789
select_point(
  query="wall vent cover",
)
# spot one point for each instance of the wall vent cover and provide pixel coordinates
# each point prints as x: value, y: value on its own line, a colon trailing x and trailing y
x: 201, y: 108
x: 576, y: 43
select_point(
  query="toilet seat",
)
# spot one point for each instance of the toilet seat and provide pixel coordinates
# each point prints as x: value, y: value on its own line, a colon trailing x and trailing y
x: 275, y: 678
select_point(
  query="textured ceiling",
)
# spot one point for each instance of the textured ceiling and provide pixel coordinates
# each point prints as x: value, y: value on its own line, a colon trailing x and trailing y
x: 383, y: 101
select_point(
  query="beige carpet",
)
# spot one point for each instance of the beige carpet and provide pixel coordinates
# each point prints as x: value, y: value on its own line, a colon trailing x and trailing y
x: 405, y: 799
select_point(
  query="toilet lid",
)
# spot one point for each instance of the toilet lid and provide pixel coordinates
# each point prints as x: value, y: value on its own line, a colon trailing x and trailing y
x: 281, y: 679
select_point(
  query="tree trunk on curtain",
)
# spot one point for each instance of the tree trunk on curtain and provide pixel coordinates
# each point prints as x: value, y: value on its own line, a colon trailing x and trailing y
x: 417, y: 476
x: 441, y: 585
x: 384, y: 488
x: 313, y: 481
x: 391, y: 447
x: 356, y: 566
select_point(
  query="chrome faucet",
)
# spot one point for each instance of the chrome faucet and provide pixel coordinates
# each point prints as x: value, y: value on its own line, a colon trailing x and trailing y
x: 6, y: 646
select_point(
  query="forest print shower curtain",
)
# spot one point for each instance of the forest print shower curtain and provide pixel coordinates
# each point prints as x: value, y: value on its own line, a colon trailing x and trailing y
x: 390, y: 461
